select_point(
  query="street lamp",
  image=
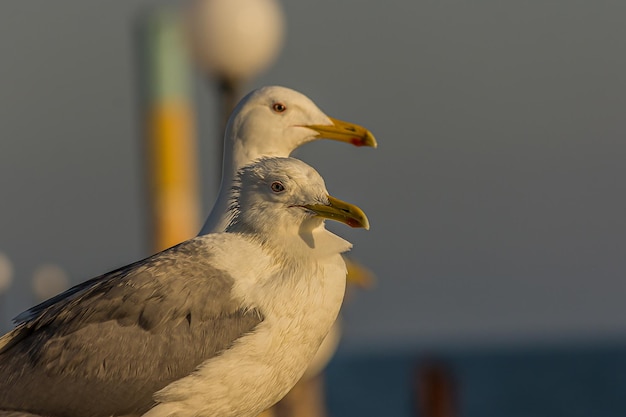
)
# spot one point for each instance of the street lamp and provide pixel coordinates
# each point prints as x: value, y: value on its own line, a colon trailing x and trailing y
x: 233, y: 40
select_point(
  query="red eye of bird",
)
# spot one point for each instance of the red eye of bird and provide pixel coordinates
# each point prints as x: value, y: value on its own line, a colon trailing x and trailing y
x: 279, y: 107
x: 277, y: 187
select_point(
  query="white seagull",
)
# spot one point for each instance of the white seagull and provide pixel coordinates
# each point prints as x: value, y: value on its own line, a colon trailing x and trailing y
x: 221, y: 325
x: 274, y: 121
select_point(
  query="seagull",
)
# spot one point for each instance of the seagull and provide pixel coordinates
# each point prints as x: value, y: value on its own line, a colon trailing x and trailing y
x: 274, y: 121
x: 223, y: 324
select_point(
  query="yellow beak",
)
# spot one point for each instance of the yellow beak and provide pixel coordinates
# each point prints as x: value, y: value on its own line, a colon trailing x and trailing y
x: 340, y: 211
x: 345, y: 132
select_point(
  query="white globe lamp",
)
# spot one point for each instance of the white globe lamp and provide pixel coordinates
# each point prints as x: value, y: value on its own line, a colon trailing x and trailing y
x: 236, y: 39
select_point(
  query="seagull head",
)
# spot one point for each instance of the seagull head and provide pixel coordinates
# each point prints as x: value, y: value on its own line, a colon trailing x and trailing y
x: 284, y: 196
x: 274, y: 120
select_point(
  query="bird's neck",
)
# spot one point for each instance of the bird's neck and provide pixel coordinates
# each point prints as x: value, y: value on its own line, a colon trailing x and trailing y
x: 310, y: 242
x: 236, y: 156
x: 240, y: 154
x: 220, y: 215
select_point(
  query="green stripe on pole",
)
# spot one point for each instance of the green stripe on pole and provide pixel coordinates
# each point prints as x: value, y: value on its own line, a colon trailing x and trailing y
x: 169, y: 69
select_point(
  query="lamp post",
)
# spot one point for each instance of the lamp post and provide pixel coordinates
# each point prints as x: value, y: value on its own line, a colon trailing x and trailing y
x: 232, y: 41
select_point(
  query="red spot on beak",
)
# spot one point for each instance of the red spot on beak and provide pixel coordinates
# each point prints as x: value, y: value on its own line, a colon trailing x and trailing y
x: 353, y: 223
x: 356, y: 141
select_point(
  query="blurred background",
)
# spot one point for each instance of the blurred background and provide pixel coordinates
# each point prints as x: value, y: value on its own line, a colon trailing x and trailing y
x: 496, y: 197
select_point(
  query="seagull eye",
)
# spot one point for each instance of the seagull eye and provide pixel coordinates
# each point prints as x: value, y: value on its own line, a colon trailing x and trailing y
x: 279, y: 107
x: 277, y: 187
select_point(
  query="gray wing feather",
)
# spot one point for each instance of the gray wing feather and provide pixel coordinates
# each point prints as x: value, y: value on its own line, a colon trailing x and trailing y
x: 104, y: 347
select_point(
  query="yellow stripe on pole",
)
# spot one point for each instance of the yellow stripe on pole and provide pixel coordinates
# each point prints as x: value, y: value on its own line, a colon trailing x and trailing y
x: 174, y: 173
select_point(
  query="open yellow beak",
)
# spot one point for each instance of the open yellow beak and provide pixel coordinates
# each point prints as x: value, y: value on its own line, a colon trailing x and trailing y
x: 340, y: 211
x: 345, y: 132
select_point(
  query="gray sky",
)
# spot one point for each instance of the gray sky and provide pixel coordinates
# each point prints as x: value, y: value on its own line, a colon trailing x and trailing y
x: 496, y: 197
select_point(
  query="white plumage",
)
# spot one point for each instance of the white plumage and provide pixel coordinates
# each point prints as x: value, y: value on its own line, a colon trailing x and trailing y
x: 274, y: 121
x: 246, y: 309
x: 221, y: 325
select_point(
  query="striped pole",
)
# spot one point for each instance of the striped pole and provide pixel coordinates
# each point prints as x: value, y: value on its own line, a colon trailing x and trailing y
x: 171, y: 146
